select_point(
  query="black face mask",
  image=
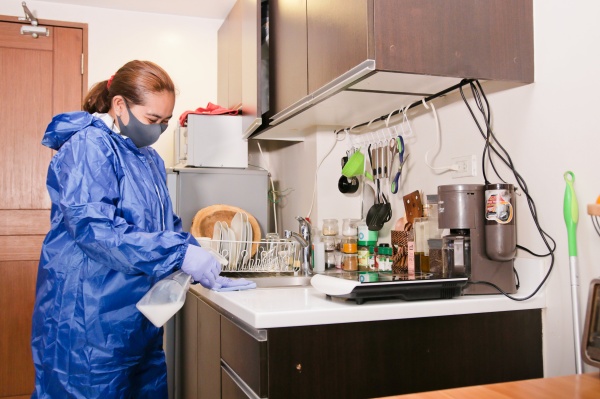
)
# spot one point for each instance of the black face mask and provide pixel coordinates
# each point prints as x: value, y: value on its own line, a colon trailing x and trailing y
x: 141, y: 134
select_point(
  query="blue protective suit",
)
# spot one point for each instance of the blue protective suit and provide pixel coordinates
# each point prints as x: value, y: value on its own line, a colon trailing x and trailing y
x: 113, y: 235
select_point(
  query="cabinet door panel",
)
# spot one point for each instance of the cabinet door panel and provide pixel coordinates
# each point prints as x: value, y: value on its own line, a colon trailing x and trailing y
x: 187, y: 349
x: 338, y: 37
x: 246, y: 356
x: 383, y: 358
x: 235, y: 55
x: 288, y: 81
x: 224, y: 39
x: 463, y: 38
x: 209, y: 352
x: 231, y: 390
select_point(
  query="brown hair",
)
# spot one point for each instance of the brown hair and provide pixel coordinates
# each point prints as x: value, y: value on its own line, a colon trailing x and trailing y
x: 132, y: 81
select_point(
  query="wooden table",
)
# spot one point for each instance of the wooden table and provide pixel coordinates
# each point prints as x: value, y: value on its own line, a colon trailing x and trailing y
x: 583, y: 386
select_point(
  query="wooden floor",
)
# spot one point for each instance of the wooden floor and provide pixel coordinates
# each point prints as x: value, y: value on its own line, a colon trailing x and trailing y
x: 584, y: 386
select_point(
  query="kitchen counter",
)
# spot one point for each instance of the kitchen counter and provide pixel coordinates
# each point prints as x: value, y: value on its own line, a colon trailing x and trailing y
x: 263, y: 308
x: 295, y: 342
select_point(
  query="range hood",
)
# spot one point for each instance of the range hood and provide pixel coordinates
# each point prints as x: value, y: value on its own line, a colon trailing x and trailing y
x: 359, y: 95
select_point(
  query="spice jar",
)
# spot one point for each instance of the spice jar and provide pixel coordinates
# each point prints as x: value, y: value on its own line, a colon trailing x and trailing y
x: 349, y: 262
x: 349, y: 245
x: 372, y: 265
x: 330, y: 243
x: 363, y: 256
x: 330, y: 227
x: 330, y: 260
x: 350, y: 227
x: 384, y: 258
x: 366, y: 235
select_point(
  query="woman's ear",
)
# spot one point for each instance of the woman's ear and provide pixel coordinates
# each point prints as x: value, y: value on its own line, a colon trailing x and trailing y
x: 118, y: 106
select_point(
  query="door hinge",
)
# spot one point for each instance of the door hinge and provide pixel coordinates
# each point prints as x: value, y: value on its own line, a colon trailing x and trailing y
x: 82, y: 63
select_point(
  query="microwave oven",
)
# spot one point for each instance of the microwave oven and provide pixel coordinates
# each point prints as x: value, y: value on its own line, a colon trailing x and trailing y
x: 213, y: 141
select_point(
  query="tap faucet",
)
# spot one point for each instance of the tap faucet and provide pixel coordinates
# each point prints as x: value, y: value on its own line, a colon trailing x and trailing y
x: 304, y: 239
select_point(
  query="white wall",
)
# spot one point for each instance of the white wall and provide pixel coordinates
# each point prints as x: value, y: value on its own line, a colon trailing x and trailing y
x: 548, y: 127
x: 185, y: 47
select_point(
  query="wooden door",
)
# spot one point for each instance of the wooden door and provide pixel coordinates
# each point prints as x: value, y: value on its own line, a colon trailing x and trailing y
x: 38, y: 79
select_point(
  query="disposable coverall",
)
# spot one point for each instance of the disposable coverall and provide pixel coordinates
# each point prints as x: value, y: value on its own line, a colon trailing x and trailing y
x: 113, y: 235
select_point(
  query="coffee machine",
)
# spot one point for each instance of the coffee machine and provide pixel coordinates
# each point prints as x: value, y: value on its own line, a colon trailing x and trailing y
x: 481, y: 219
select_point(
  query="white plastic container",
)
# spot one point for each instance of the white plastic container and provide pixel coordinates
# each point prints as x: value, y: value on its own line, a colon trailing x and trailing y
x: 167, y: 296
x: 319, y: 256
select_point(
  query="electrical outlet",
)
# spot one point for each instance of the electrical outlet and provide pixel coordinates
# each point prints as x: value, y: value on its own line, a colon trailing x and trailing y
x: 466, y: 166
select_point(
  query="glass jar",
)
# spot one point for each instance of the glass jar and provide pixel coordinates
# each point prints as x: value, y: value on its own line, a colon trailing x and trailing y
x: 272, y: 240
x: 330, y: 260
x: 330, y: 243
x: 430, y: 210
x: 384, y: 258
x: 350, y: 227
x: 456, y: 255
x: 366, y: 235
x: 349, y: 245
x: 435, y: 257
x: 349, y: 262
x: 330, y: 227
x: 372, y: 264
x: 363, y: 256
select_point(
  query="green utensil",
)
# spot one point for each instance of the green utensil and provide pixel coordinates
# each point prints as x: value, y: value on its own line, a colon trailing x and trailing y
x: 571, y: 214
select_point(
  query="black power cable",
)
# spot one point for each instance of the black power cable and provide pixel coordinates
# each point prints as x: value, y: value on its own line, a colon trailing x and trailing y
x: 492, y: 145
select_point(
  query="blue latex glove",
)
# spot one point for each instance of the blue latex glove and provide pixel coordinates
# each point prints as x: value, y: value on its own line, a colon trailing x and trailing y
x: 201, y: 265
x: 227, y: 284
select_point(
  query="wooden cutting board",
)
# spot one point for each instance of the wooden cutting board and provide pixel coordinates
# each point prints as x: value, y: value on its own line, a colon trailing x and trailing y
x: 204, y: 222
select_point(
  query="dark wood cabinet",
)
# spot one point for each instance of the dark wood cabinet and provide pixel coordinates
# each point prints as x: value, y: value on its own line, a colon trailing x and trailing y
x: 383, y: 358
x: 401, y: 40
x: 288, y: 69
x: 338, y: 38
x: 357, y: 360
x: 491, y: 39
x: 239, y: 63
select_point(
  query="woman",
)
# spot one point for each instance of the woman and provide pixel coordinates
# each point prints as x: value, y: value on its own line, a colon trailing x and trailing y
x: 113, y: 235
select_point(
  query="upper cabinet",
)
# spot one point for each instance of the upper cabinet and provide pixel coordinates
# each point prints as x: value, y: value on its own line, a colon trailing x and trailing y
x: 288, y: 41
x: 342, y: 62
x: 241, y: 69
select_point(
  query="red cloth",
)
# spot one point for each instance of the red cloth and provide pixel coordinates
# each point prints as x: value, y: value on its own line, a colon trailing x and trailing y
x: 211, y: 109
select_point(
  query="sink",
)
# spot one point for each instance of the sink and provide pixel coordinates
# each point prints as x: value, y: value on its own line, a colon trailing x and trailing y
x: 272, y: 280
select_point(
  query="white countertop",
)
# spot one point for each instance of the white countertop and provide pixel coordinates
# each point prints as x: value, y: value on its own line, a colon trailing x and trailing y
x: 299, y: 306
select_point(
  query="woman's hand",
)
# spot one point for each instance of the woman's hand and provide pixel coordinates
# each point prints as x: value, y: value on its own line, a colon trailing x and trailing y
x: 201, y: 265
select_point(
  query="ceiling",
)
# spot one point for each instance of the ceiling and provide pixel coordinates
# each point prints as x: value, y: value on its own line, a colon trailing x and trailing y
x: 213, y: 9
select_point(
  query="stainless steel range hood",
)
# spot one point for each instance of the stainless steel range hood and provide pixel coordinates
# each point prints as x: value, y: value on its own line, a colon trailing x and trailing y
x: 360, y: 95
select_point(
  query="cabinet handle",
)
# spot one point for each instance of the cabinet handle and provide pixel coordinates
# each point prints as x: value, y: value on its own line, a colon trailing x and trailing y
x: 238, y: 381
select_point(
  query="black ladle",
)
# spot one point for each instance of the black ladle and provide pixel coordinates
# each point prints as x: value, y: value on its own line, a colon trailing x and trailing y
x: 380, y: 212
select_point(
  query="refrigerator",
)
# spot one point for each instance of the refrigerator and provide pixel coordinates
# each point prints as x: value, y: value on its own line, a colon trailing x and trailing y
x: 192, y: 189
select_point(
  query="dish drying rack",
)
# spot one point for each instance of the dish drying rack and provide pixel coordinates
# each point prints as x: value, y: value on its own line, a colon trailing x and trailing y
x: 260, y: 256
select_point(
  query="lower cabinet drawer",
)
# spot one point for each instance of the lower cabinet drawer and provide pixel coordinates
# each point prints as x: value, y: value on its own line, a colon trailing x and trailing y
x: 232, y: 387
x: 245, y: 356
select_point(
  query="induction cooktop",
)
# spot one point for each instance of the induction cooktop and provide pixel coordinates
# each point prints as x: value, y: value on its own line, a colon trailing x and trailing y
x: 407, y: 287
